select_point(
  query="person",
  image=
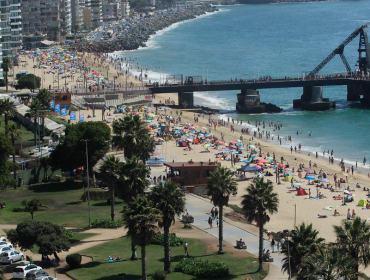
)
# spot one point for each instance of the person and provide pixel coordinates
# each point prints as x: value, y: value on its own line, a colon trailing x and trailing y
x: 210, y: 221
x: 186, y: 249
x: 349, y: 214
x: 353, y: 214
x: 241, y: 241
x: 336, y: 213
x: 273, y: 245
x: 217, y: 222
x: 213, y: 212
x: 282, y: 240
x: 278, y: 246
x: 216, y: 213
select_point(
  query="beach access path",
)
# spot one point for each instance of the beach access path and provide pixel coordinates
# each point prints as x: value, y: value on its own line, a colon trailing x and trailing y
x: 200, y: 209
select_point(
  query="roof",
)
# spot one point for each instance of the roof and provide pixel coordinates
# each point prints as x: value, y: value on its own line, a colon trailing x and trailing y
x: 193, y: 164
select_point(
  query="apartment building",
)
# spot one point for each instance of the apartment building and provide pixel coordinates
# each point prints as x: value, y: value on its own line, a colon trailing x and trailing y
x: 111, y: 11
x: 125, y: 9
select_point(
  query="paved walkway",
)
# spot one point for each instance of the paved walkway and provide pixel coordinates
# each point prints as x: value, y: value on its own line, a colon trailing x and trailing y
x: 201, y: 208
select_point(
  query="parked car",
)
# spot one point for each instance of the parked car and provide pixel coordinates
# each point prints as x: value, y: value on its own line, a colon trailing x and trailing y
x: 46, y: 278
x: 2, y: 238
x: 6, y: 244
x: 33, y: 274
x: 4, y: 249
x: 24, y: 267
x: 11, y: 256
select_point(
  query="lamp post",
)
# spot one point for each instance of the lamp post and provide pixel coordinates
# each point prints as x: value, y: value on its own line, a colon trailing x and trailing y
x: 88, y: 180
x: 285, y: 234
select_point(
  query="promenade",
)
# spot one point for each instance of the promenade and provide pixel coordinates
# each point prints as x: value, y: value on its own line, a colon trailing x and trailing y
x: 200, y: 209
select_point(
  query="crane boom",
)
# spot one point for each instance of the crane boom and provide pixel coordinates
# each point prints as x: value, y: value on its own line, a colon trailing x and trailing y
x: 339, y: 50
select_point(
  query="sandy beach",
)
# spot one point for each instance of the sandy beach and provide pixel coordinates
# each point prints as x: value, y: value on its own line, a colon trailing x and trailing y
x: 293, y: 209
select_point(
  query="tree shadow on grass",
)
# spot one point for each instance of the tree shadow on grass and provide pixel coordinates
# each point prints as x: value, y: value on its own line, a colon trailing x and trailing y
x: 55, y: 187
x: 91, y: 264
x: 104, y: 203
x: 74, y: 202
x: 180, y: 257
x: 121, y: 276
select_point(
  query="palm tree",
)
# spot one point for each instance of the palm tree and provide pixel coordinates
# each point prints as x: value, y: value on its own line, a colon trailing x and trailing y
x: 131, y: 131
x: 109, y: 168
x: 260, y: 201
x: 43, y: 96
x: 353, y: 238
x: 75, y: 28
x: 7, y: 108
x: 14, y: 132
x: 329, y: 263
x: 139, y: 216
x: 7, y: 65
x: 32, y: 113
x: 219, y: 187
x: 301, y: 244
x: 55, y: 30
x: 132, y: 182
x: 170, y: 200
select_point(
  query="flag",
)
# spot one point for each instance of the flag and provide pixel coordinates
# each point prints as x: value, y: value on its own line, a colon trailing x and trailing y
x: 73, y: 116
x: 64, y: 112
x: 57, y: 108
x: 52, y: 104
x: 81, y: 117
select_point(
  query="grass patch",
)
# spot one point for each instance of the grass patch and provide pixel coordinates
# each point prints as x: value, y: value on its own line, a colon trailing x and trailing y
x: 237, y: 209
x: 58, y: 120
x: 100, y: 269
x: 27, y: 135
x: 63, y: 201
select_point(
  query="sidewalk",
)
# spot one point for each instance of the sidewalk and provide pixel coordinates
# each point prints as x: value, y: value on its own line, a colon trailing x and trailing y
x: 200, y: 209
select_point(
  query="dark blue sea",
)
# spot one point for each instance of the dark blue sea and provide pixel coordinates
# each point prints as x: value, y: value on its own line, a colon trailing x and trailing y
x: 277, y: 40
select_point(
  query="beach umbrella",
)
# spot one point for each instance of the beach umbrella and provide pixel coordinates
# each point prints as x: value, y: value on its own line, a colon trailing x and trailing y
x: 207, y: 145
x: 236, y: 166
x: 281, y: 165
x: 324, y: 180
x: 262, y: 160
x: 232, y: 142
x: 252, y: 146
x: 204, y: 127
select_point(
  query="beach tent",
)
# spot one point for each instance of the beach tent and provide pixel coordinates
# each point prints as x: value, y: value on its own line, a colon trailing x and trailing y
x: 248, y: 169
x: 288, y: 178
x: 301, y: 191
x: 362, y: 202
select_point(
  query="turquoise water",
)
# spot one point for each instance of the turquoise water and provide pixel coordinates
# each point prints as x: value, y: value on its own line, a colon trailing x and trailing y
x: 277, y: 40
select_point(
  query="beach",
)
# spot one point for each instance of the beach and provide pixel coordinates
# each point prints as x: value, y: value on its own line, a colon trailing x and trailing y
x: 293, y: 210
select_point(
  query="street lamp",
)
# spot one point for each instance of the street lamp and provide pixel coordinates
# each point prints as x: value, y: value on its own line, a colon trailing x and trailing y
x: 285, y: 234
x: 88, y: 179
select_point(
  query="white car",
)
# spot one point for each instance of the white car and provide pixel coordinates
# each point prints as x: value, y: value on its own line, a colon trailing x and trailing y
x: 46, y: 278
x: 4, y: 249
x: 24, y: 267
x: 11, y: 256
x: 6, y: 244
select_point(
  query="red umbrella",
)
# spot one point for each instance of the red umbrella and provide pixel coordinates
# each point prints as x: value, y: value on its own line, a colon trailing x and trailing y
x: 281, y: 165
x: 95, y: 73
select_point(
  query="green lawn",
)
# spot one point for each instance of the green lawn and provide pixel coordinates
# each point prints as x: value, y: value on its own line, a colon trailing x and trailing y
x: 26, y: 135
x: 65, y: 207
x: 100, y: 269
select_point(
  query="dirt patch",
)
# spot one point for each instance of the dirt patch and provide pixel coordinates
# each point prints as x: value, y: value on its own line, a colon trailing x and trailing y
x: 237, y: 217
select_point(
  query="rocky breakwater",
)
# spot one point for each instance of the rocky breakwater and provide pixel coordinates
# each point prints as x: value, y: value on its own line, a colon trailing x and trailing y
x: 139, y: 33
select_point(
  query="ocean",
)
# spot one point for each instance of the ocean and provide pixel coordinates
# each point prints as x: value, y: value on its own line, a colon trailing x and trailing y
x: 277, y: 40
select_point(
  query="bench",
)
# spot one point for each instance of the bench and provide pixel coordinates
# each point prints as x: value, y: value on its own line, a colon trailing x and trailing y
x: 240, y: 245
x: 267, y: 258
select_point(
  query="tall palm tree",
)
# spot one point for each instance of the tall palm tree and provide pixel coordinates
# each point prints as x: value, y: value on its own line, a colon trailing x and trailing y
x: 109, y: 168
x: 32, y: 113
x: 7, y: 65
x: 260, y: 201
x: 7, y: 108
x: 44, y: 97
x: 329, y: 263
x: 75, y: 28
x: 305, y: 242
x: 131, y: 131
x: 170, y: 200
x: 140, y: 217
x: 14, y: 132
x: 219, y: 187
x: 132, y: 181
x: 353, y: 238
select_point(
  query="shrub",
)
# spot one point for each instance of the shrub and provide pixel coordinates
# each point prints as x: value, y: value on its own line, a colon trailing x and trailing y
x: 106, y: 223
x: 55, y: 179
x: 174, y: 240
x: 159, y: 275
x: 70, y: 180
x: 74, y: 260
x: 67, y: 233
x: 96, y: 196
x: 202, y: 269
